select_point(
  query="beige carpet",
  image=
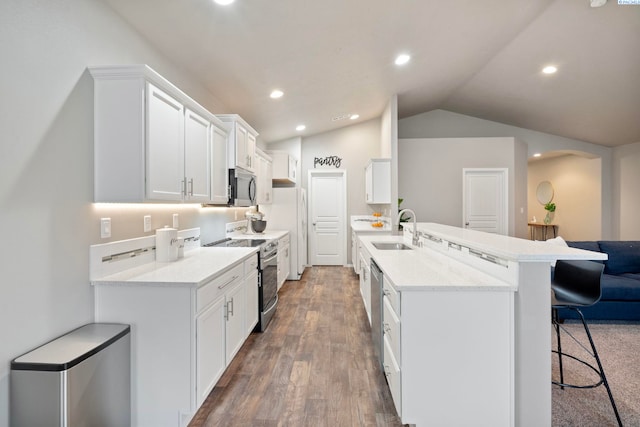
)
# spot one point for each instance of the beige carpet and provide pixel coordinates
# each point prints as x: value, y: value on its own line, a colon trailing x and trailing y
x: 619, y: 349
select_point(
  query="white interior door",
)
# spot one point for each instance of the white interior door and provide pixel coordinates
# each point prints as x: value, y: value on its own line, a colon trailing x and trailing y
x: 485, y: 200
x: 327, y: 217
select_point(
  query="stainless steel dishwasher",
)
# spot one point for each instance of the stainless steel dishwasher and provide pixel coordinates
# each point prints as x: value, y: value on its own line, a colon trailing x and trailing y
x: 376, y: 310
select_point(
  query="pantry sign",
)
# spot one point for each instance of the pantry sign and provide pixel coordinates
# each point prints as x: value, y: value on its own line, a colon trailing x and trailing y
x: 327, y: 161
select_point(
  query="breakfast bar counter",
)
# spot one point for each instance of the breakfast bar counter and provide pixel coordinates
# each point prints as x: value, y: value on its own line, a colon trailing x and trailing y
x: 469, y: 325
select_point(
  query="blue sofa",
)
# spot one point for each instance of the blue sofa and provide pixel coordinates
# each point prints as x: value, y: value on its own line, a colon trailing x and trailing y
x: 620, y: 282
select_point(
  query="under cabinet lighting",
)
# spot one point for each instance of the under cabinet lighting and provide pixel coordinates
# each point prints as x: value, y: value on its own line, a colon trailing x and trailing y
x: 537, y: 155
x: 354, y: 116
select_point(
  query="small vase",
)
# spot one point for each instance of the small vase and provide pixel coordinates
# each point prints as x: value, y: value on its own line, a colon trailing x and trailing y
x: 547, y: 218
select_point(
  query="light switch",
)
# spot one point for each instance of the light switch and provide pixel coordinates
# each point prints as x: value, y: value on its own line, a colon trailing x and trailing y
x: 147, y: 223
x: 105, y: 227
x: 176, y: 221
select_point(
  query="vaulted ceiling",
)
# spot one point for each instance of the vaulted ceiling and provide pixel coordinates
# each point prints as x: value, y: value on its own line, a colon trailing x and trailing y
x: 332, y: 58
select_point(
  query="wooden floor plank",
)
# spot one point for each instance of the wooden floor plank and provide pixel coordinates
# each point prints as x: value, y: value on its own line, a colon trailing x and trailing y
x: 313, y: 366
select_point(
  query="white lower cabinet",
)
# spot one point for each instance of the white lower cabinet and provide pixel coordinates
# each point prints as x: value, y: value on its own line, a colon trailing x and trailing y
x: 284, y: 259
x: 183, y: 338
x: 447, y: 350
x: 210, y: 347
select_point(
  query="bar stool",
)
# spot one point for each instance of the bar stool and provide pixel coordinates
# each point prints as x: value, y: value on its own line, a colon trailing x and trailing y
x: 576, y: 284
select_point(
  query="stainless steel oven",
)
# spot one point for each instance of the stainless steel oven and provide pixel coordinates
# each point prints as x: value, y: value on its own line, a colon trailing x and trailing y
x: 267, y: 275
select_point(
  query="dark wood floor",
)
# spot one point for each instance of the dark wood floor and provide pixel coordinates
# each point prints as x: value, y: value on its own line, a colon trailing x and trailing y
x: 314, y: 366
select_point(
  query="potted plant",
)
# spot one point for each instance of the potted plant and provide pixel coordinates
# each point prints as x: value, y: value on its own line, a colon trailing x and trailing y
x: 550, y: 208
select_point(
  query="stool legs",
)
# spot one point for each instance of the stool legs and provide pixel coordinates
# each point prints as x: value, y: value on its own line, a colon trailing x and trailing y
x: 600, y: 370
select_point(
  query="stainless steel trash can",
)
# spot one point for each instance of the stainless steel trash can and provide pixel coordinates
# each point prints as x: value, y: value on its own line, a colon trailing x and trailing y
x: 79, y: 379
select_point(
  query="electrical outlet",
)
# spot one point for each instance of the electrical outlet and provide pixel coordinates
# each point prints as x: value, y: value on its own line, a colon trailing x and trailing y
x: 147, y: 223
x: 105, y: 227
x: 176, y: 221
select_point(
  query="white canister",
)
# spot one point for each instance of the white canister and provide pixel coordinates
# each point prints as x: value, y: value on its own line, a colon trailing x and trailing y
x: 166, y: 244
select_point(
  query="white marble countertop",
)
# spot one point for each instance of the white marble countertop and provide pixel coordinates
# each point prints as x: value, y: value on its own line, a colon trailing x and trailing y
x: 425, y: 269
x: 363, y: 223
x: 506, y: 247
x: 198, y: 267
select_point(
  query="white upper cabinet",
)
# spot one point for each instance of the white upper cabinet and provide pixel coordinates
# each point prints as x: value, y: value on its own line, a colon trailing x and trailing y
x: 196, y: 148
x: 164, y: 146
x: 219, y: 176
x: 284, y: 167
x: 378, y: 181
x: 152, y: 142
x: 241, y: 144
x: 264, y: 172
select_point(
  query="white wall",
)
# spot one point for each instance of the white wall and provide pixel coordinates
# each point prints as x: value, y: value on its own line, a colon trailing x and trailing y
x: 47, y: 218
x: 389, y: 149
x: 355, y: 144
x: 626, y: 160
x: 576, y: 184
x: 430, y: 176
x: 445, y: 124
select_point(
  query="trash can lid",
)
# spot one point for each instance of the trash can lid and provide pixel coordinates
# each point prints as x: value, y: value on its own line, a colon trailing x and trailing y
x: 72, y: 348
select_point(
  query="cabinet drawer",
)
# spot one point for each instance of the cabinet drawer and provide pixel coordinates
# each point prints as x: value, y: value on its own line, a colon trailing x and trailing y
x: 394, y: 378
x: 391, y: 327
x: 251, y: 265
x: 206, y: 294
x: 393, y: 295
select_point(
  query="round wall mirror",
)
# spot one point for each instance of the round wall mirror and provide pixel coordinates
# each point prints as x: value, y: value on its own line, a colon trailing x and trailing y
x: 544, y: 193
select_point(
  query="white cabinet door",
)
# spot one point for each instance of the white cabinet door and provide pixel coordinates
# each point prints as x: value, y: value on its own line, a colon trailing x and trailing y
x: 251, y: 152
x: 264, y: 173
x: 251, y: 292
x: 210, y: 342
x: 219, y: 175
x: 378, y: 181
x: 164, y: 146
x: 196, y: 155
x: 269, y: 182
x: 286, y: 260
x: 242, y: 153
x: 236, y: 307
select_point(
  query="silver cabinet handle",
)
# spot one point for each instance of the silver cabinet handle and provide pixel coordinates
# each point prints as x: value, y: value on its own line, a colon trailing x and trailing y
x: 231, y: 303
x: 191, y: 186
x: 228, y: 282
x: 183, y: 186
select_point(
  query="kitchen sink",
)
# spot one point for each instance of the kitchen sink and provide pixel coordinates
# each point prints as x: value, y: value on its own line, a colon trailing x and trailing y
x: 391, y: 246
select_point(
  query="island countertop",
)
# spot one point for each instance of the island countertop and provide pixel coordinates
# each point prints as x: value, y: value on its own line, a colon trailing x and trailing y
x: 422, y: 269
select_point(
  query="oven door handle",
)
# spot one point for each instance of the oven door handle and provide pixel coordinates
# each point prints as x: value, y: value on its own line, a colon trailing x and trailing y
x: 268, y: 260
x: 272, y: 306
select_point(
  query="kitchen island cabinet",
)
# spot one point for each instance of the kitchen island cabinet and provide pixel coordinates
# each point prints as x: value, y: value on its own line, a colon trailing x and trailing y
x: 467, y: 326
x: 188, y: 320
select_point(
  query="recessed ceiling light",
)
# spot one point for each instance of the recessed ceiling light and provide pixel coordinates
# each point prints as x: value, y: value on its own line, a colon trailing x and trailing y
x: 549, y: 69
x: 354, y: 116
x: 277, y: 93
x: 300, y: 128
x: 224, y: 2
x: 402, y: 59
x: 598, y: 3
x: 537, y: 155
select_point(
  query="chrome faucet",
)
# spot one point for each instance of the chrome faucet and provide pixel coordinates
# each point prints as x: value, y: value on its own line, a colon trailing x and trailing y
x: 415, y: 239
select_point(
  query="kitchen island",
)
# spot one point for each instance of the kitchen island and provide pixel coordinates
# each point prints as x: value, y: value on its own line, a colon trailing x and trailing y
x: 467, y: 336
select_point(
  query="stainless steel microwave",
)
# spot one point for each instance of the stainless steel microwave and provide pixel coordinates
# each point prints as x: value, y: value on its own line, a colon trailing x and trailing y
x: 242, y: 188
